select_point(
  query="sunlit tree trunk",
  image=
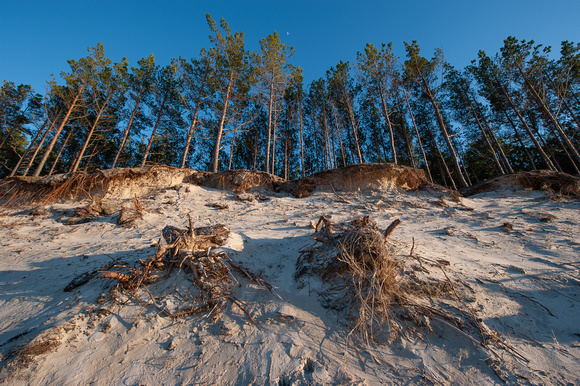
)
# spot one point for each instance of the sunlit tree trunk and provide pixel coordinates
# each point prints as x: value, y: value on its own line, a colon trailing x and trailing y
x: 63, y: 146
x: 34, y: 145
x: 128, y: 128
x: 417, y: 132
x: 528, y: 130
x: 94, y: 126
x: 154, y: 131
x: 220, y: 131
x: 58, y: 131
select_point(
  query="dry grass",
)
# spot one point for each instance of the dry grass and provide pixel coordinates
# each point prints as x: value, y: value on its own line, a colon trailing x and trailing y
x: 23, y: 356
x: 359, y: 272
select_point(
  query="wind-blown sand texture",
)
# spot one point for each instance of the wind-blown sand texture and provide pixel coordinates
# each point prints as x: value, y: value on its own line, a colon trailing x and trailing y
x: 509, y: 256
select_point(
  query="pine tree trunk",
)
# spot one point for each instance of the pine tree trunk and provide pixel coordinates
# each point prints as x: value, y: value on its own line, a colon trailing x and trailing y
x: 152, y: 137
x: 219, y: 134
x: 128, y: 128
x: 60, y: 152
x: 274, y: 127
x: 506, y: 162
x: 327, y: 146
x: 484, y: 134
x: 528, y: 130
x: 418, y: 136
x: 194, y: 121
x: 388, y: 120
x: 38, y: 147
x: 337, y: 123
x: 270, y: 104
x: 569, y: 110
x: 57, y: 133
x: 442, y: 163
x: 232, y: 149
x: 255, y: 152
x: 541, y: 102
x: 81, y: 154
x: 443, y: 129
x: 409, y: 146
x: 353, y: 125
x: 301, y: 135
x: 519, y: 138
x: 25, y: 154
x: 562, y: 99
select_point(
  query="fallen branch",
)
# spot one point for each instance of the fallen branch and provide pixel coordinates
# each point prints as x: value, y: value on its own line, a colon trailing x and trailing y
x: 238, y: 303
x: 340, y: 198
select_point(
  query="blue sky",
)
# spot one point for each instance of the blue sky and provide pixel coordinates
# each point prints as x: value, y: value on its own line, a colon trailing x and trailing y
x: 37, y: 37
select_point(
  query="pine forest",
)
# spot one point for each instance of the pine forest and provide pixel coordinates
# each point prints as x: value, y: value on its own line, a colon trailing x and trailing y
x: 232, y: 108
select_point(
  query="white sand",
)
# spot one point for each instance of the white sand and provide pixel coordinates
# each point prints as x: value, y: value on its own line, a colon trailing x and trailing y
x: 526, y: 287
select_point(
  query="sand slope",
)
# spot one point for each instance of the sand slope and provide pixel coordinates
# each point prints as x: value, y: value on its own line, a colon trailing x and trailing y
x: 515, y: 251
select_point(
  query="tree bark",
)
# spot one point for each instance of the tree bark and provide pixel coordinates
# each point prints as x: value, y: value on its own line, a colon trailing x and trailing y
x: 38, y: 147
x: 270, y: 104
x: 506, y: 162
x: 519, y: 138
x: 300, y: 117
x: 528, y: 130
x: 484, y: 134
x: 348, y: 105
x: 541, y: 102
x: 25, y: 154
x: 389, y: 125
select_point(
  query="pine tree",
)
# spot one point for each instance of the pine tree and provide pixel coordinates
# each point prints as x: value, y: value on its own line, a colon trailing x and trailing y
x: 232, y: 76
x: 164, y: 94
x: 378, y: 75
x: 343, y: 91
x: 14, y: 103
x: 139, y: 84
x: 423, y: 72
x: 273, y: 72
x: 194, y: 92
x: 76, y: 82
x: 106, y: 82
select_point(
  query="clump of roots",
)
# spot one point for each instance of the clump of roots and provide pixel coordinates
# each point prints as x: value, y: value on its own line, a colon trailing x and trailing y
x: 359, y: 272
x: 189, y: 251
x: 381, y: 294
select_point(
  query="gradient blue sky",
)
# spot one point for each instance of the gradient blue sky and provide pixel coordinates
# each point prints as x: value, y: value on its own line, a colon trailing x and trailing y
x: 37, y: 37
